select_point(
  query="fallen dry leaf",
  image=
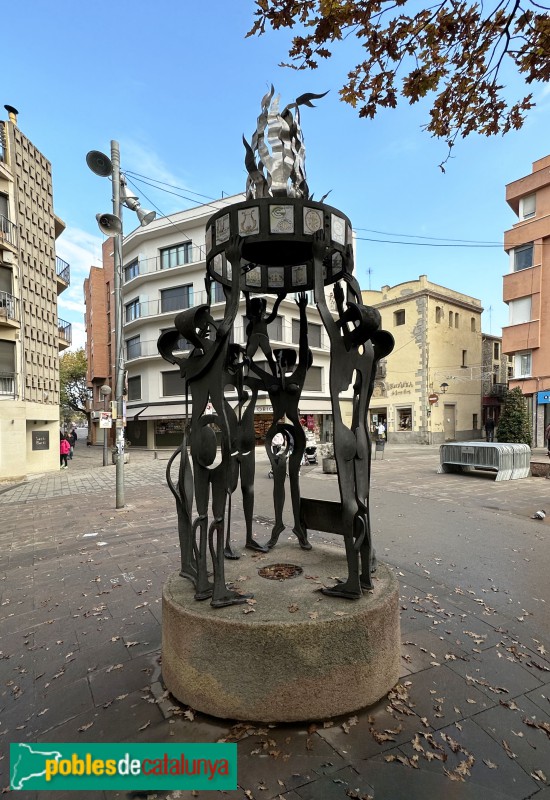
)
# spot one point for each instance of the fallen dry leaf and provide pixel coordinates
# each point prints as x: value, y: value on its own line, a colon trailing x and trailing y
x: 85, y: 727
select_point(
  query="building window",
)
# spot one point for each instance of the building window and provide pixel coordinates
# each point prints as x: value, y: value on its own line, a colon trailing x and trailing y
x: 314, y: 380
x: 131, y: 271
x: 133, y: 348
x: 216, y: 293
x: 473, y: 324
x: 313, y: 333
x: 464, y: 357
x: 175, y: 256
x: 7, y: 368
x: 523, y: 257
x: 438, y: 313
x: 134, y: 388
x: 176, y: 299
x: 528, y: 206
x: 132, y: 310
x: 404, y: 419
x: 172, y: 384
x: 450, y: 319
x: 399, y: 317
x: 522, y: 365
x: 474, y: 422
x: 519, y: 311
x: 456, y: 320
x: 496, y: 350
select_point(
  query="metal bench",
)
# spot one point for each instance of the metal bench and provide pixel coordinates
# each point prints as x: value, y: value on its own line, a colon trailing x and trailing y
x: 510, y: 461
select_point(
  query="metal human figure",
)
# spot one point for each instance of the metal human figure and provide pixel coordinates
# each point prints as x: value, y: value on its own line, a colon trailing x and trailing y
x: 203, y: 373
x: 257, y: 335
x: 284, y: 392
x: 243, y: 442
x: 352, y: 363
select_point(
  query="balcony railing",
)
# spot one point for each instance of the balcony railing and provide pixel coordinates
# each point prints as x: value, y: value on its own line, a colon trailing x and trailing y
x: 9, y: 306
x: 7, y: 231
x: 147, y: 266
x: 498, y: 390
x: 8, y: 384
x: 65, y: 330
x: 148, y: 347
x: 152, y: 308
x: 62, y: 270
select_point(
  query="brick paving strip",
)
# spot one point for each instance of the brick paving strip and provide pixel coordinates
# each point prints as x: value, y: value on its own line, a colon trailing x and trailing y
x: 80, y: 610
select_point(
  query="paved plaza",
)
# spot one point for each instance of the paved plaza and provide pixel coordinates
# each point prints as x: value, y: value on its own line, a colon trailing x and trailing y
x: 80, y: 636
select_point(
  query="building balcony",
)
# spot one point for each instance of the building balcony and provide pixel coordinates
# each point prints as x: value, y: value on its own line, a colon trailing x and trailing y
x: 135, y: 272
x: 8, y: 384
x: 282, y: 335
x: 8, y: 233
x: 9, y: 310
x: 65, y: 330
x: 498, y: 390
x: 62, y: 274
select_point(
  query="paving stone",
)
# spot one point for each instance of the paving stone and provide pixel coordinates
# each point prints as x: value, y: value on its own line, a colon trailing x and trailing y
x: 441, y: 696
x: 360, y: 742
x: 541, y: 697
x: 532, y: 747
x: 119, y: 722
x: 395, y: 781
x: 336, y: 787
x: 494, y: 667
x: 133, y: 675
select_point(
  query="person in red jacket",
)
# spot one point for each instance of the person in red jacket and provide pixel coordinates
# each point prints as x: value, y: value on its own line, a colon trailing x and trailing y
x: 64, y: 449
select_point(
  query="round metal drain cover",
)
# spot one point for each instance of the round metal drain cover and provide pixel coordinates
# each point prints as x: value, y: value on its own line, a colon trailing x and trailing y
x: 280, y: 572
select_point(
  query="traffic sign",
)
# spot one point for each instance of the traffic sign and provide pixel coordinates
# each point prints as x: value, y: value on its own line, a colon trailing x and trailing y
x: 433, y: 398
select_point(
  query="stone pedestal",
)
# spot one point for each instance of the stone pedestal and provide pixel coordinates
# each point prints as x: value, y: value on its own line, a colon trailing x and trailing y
x: 297, y: 656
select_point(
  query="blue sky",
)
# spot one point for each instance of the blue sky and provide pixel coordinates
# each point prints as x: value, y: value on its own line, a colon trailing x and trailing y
x: 177, y: 84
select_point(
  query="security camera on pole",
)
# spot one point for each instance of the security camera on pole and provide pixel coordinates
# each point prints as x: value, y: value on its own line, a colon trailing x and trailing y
x: 111, y: 225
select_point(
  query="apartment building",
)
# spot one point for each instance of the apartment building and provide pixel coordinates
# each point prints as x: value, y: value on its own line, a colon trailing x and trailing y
x: 526, y: 290
x: 31, y: 334
x: 163, y: 272
x: 100, y: 342
x: 429, y: 388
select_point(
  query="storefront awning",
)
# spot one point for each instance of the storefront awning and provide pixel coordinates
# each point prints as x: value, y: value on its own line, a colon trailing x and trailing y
x: 171, y: 411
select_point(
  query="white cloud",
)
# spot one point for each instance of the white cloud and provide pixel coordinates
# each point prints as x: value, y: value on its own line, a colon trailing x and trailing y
x: 71, y: 305
x: 81, y: 250
x: 79, y: 336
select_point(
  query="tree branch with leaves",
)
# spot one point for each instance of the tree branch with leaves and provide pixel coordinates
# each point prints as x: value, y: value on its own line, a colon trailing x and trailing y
x: 72, y: 379
x: 454, y: 49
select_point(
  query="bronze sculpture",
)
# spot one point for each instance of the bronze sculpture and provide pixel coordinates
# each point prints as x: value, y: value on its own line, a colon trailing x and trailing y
x: 277, y: 242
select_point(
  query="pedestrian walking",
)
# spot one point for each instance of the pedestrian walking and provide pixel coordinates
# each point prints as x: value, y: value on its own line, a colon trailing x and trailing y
x: 64, y: 449
x: 72, y: 442
x: 547, y: 437
x: 490, y: 429
x: 381, y: 430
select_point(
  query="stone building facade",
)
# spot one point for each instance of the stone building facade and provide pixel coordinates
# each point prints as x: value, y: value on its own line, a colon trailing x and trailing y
x: 429, y: 389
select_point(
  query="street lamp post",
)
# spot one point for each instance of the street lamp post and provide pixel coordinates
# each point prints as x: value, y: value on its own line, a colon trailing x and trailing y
x: 105, y: 392
x: 111, y: 225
